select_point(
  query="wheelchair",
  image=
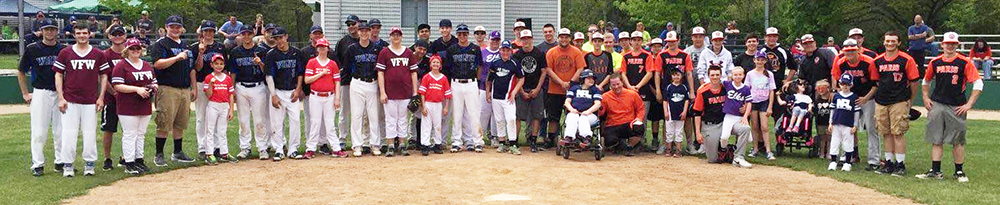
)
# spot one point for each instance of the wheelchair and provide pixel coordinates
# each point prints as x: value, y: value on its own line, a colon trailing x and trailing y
x: 593, y: 144
x: 797, y: 140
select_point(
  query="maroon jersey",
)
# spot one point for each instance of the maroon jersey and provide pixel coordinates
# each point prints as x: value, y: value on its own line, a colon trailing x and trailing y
x: 397, y: 69
x: 894, y: 78
x: 139, y: 75
x: 950, y: 77
x: 113, y: 58
x: 81, y: 73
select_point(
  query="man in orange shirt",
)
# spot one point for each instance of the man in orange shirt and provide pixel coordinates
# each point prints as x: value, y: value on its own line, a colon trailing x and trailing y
x: 565, y: 63
x: 624, y: 111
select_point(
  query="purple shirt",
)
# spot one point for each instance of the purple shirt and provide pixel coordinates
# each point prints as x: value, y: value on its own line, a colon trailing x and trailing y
x: 736, y: 97
x: 488, y: 57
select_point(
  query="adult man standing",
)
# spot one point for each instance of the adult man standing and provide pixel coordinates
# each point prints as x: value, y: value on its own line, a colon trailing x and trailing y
x: 309, y: 52
x: 172, y: 60
x: 863, y: 69
x: 815, y: 66
x: 206, y: 48
x: 530, y: 105
x: 144, y: 24
x: 565, y: 64
x: 717, y: 55
x: 919, y: 36
x: 43, y: 101
x: 708, y: 105
x: 779, y: 58
x: 950, y: 73
x: 231, y: 30
x: 897, y: 84
x: 252, y: 96
x: 463, y: 59
x: 624, y: 110
x: 549, y: 35
x: 341, y: 58
x: 109, y: 118
x: 79, y: 69
x: 361, y: 59
x: 284, y: 68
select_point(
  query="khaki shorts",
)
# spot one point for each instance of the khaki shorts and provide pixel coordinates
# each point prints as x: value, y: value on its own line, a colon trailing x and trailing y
x: 943, y: 126
x: 173, y: 108
x: 893, y: 119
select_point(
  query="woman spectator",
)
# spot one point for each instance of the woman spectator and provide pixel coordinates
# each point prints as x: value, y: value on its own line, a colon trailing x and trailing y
x: 981, y: 56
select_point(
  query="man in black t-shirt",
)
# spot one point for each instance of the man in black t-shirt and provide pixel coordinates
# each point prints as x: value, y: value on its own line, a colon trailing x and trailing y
x: 530, y: 105
x: 172, y: 60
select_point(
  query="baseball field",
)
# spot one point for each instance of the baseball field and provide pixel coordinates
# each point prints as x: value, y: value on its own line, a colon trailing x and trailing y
x: 491, y: 178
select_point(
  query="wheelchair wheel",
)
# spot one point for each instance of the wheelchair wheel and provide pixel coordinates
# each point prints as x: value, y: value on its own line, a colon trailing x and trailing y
x: 779, y: 149
x: 598, y: 154
x: 565, y: 150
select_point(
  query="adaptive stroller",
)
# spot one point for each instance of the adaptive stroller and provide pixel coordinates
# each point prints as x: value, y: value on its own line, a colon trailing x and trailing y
x: 594, y: 143
x: 796, y: 139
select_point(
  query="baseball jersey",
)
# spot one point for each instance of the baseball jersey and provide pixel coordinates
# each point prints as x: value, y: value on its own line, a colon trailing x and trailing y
x: 600, y: 64
x: 440, y: 47
x: 894, y: 77
x: 822, y: 110
x: 38, y: 60
x: 503, y: 76
x: 435, y: 88
x: 864, y: 51
x: 761, y: 85
x: 285, y: 67
x: 380, y: 42
x: 583, y: 99
x: 222, y: 88
x: 564, y: 61
x: 309, y: 52
x: 736, y: 97
x: 667, y: 61
x: 863, y: 72
x: 361, y: 61
x: 206, y: 58
x: 342, y: 57
x: 532, y: 65
x: 950, y: 76
x: 81, y: 73
x: 112, y: 58
x: 177, y: 75
x: 634, y: 67
x: 814, y: 67
x: 463, y: 61
x: 240, y: 63
x: 801, y: 101
x: 488, y: 58
x: 844, y: 109
x: 397, y: 69
x: 134, y: 74
x: 780, y: 60
x: 708, y: 104
x: 675, y: 96
x: 327, y: 83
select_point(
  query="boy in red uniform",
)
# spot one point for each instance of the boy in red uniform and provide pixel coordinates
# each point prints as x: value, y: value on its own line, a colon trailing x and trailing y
x: 323, y: 74
x: 219, y: 88
x: 80, y: 72
x: 435, y: 89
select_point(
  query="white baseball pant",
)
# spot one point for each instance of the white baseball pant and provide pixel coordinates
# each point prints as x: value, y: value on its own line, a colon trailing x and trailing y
x: 44, y: 113
x: 133, y: 136
x: 364, y: 97
x: 200, y: 105
x: 728, y: 122
x: 306, y: 112
x: 431, y: 124
x: 841, y: 139
x: 291, y: 111
x: 396, y: 124
x: 505, y: 119
x: 577, y: 123
x: 674, y: 131
x: 79, y: 118
x: 253, y: 100
x: 485, y: 115
x: 322, y: 124
x: 343, y: 125
x: 465, y: 103
x: 217, y: 119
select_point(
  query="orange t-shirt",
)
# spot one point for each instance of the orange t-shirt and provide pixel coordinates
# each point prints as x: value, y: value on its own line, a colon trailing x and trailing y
x: 622, y: 108
x: 565, y: 62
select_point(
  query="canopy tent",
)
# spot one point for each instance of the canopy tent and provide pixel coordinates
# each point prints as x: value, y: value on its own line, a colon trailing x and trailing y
x: 85, y: 6
x: 9, y: 8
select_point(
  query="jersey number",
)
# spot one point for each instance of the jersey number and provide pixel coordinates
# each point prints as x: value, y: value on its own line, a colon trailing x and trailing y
x: 954, y: 79
x: 897, y: 77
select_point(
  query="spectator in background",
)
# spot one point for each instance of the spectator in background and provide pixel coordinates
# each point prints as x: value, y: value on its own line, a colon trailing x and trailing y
x: 645, y: 34
x: 37, y: 24
x: 68, y: 31
x: 258, y: 26
x: 670, y: 27
x: 731, y: 28
x: 161, y: 32
x: 114, y: 21
x: 830, y: 43
x: 92, y: 24
x: 980, y: 55
x: 143, y: 25
x: 918, y: 35
x: 231, y: 30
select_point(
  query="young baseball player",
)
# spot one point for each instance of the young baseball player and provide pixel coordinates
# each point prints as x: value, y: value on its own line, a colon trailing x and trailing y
x: 737, y: 99
x: 843, y: 123
x: 80, y: 73
x: 491, y: 53
x: 897, y: 84
x: 464, y: 59
x: 134, y: 81
x: 530, y: 105
x: 673, y: 59
x: 655, y: 108
x: 502, y: 86
x: 675, y: 109
x: 397, y: 68
x: 435, y: 89
x: 218, y: 88
x: 246, y: 66
x: 205, y: 49
x: 637, y: 72
x: 284, y: 68
x: 38, y: 59
x: 323, y: 75
x: 711, y: 111
x: 109, y: 118
x: 863, y: 69
x: 361, y: 60
x: 582, y: 101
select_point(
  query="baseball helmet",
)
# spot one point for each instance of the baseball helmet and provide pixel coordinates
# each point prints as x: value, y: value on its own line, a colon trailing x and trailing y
x: 587, y: 74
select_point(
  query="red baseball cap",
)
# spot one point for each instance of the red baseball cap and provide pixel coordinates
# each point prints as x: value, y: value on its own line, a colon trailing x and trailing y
x: 217, y: 57
x: 395, y: 29
x: 321, y: 42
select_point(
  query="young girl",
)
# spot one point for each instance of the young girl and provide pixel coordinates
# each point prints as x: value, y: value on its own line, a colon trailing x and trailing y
x: 435, y: 90
x: 582, y: 102
x: 801, y: 104
x: 843, y: 123
x: 323, y: 75
x: 395, y: 68
x: 675, y: 107
x: 219, y: 89
x: 762, y: 87
x: 822, y: 110
x: 737, y: 97
x: 135, y: 83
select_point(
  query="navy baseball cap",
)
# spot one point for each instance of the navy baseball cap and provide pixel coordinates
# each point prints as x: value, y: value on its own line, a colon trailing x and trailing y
x: 351, y: 18
x: 246, y: 29
x: 269, y: 26
x: 445, y: 23
x: 374, y: 22
x: 506, y: 44
x: 587, y: 73
x: 462, y: 28
x: 314, y: 29
x: 846, y: 79
x: 47, y: 23
x: 72, y: 18
x: 423, y: 26
x: 279, y: 31
x: 117, y: 29
x: 208, y: 25
x: 362, y: 24
x: 175, y: 20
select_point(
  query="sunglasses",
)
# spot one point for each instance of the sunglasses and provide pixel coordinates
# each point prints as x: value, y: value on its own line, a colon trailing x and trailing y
x: 134, y: 48
x: 351, y: 23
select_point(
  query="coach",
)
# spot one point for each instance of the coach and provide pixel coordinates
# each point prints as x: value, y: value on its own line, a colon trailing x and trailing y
x: 625, y: 112
x: 172, y: 62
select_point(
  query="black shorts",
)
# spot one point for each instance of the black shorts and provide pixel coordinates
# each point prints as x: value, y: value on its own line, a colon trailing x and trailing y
x: 109, y: 117
x: 655, y: 112
x: 616, y: 135
x: 759, y: 106
x: 554, y: 106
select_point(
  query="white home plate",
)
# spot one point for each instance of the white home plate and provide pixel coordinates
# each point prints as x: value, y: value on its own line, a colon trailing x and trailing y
x: 507, y: 197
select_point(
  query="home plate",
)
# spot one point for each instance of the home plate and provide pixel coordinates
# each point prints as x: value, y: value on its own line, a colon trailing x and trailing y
x: 507, y: 197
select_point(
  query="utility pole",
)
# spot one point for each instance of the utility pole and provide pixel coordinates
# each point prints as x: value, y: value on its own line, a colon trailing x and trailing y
x: 767, y: 13
x: 20, y: 27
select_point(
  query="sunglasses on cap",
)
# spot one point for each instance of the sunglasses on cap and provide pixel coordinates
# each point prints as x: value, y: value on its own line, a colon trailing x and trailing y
x: 135, y: 48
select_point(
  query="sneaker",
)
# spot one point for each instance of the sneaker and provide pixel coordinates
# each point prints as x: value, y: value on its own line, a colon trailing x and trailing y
x: 677, y: 155
x: 243, y: 154
x: 872, y: 168
x: 68, y: 170
x: 534, y: 147
x: 455, y: 149
x: 108, y: 164
x: 846, y: 168
x: 661, y: 150
x: 121, y: 162
x: 228, y: 158
x: 324, y: 149
x: 37, y: 171
x: 832, y: 166
x: 437, y: 149
x: 425, y: 150
x: 309, y: 155
x: 59, y: 167
x: 294, y: 155
x: 753, y: 153
x: 366, y: 150
x: 933, y: 175
x: 202, y: 157
x: 740, y: 162
x: 181, y: 157
x: 900, y: 170
x: 628, y: 152
x: 391, y: 151
x: 357, y: 151
x: 88, y: 169
x: 159, y: 160
x: 376, y: 152
x: 470, y: 148
x: 340, y: 154
x: 211, y: 159
x: 264, y: 155
x: 139, y: 162
x: 478, y: 149
x: 887, y: 168
x: 404, y: 151
x: 961, y: 176
x: 701, y: 149
x: 130, y: 168
x: 770, y: 156
x: 278, y: 156
x: 514, y: 150
x: 501, y: 148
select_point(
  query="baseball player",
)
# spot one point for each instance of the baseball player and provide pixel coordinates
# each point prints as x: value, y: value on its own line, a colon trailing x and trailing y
x: 491, y: 53
x: 81, y: 71
x: 434, y: 90
x: 419, y: 49
x: 843, y: 123
x: 218, y: 88
x: 323, y: 75
x: 361, y: 59
x: 38, y: 59
x: 376, y: 27
x: 310, y: 52
x: 637, y: 72
x: 897, y: 84
x: 530, y: 105
x: 109, y: 118
x: 710, y: 113
x: 695, y: 49
x: 464, y: 59
x: 395, y: 65
x: 246, y: 67
x: 350, y: 38
x: 284, y: 68
x: 655, y: 108
x: 480, y: 34
x: 673, y: 59
x: 172, y: 61
x: 503, y: 84
x: 737, y: 114
x: 565, y: 64
x: 134, y: 82
x: 440, y: 47
x: 780, y: 58
x: 205, y: 49
x: 867, y: 119
x: 862, y: 68
x: 599, y: 61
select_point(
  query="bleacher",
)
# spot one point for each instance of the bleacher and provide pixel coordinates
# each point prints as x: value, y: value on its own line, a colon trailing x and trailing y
x: 969, y: 40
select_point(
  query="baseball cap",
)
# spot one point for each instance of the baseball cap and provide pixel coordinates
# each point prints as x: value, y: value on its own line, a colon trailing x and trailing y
x: 807, y: 38
x: 950, y: 37
x: 480, y: 28
x: 771, y: 31
x: 671, y: 36
x: 506, y: 44
x: 144, y: 12
x: 444, y: 23
x: 351, y: 18
x: 218, y: 57
x: 698, y: 30
x: 526, y: 33
x: 117, y: 29
x: 855, y: 31
x: 564, y: 31
x: 519, y: 24
x: 133, y: 42
x: 321, y: 42
x: 850, y: 44
x: 760, y: 54
x: 597, y: 35
x: 846, y: 79
x: 494, y: 35
x: 578, y: 36
x: 587, y: 73
x: 48, y: 23
x: 363, y: 24
x: 246, y: 29
x: 314, y: 29
x: 830, y: 39
x: 622, y: 35
x: 269, y: 26
x: 462, y: 28
x: 656, y: 41
x: 637, y: 34
x: 175, y: 20
x: 395, y: 30
x: 718, y: 35
x: 423, y: 26
x: 72, y: 18
x: 374, y: 22
x: 208, y: 25
x: 435, y: 57
x: 279, y: 31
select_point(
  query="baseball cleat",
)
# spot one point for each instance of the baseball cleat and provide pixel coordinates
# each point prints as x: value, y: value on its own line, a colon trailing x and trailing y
x: 264, y: 156
x: 108, y: 164
x: 470, y: 148
x: 309, y: 155
x: 68, y: 170
x: 37, y: 171
x: 325, y: 149
x: 425, y: 150
x: 357, y: 152
x: 121, y: 162
x: 900, y: 170
x: 340, y: 154
x: 961, y: 176
x: 202, y: 157
x: 832, y: 166
x: 478, y: 149
x: 159, y: 160
x: 872, y: 168
x: 294, y: 155
x: 88, y: 169
x: 514, y: 150
x: 211, y: 159
x: 181, y: 157
x: 139, y: 162
x: 376, y: 152
x: 501, y: 148
x: 389, y: 152
x: 437, y: 149
x: 278, y: 156
x: 455, y: 149
x: 846, y: 168
x: 130, y: 168
x: 228, y: 158
x: 244, y: 153
x: 404, y: 151
x: 933, y: 175
x: 661, y: 150
x: 59, y: 167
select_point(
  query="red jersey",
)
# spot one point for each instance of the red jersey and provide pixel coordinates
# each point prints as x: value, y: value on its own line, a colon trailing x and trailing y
x: 113, y: 58
x: 327, y: 83
x: 950, y: 77
x: 139, y: 75
x: 81, y: 73
x: 435, y: 89
x: 894, y: 77
x: 397, y: 69
x: 222, y: 89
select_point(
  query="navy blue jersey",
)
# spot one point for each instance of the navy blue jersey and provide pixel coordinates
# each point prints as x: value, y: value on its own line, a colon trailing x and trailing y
x: 583, y: 99
x: 206, y: 58
x: 177, y: 75
x: 504, y: 75
x: 285, y: 67
x: 844, y: 109
x: 675, y: 96
x: 462, y: 61
x: 361, y: 60
x: 240, y: 63
x: 37, y: 60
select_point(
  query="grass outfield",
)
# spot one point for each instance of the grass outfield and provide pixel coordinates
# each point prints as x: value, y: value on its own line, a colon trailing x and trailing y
x: 8, y: 61
x: 17, y: 186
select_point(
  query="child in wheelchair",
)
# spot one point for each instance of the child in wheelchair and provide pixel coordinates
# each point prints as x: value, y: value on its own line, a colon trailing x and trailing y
x: 582, y: 104
x: 800, y: 103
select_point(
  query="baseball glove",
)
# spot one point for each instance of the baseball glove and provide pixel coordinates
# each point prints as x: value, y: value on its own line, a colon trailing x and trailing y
x: 415, y: 104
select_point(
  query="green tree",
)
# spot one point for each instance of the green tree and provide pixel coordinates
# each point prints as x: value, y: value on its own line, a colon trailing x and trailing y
x: 294, y: 15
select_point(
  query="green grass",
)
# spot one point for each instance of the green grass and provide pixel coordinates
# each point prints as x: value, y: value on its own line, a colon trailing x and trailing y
x: 8, y: 61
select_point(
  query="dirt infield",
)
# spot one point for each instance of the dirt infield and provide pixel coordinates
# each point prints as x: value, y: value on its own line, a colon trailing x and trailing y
x: 469, y: 178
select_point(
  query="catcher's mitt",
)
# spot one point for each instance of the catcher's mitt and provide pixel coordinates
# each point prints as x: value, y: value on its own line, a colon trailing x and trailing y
x: 415, y: 104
